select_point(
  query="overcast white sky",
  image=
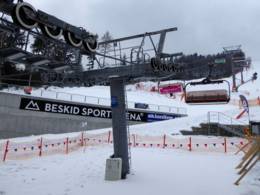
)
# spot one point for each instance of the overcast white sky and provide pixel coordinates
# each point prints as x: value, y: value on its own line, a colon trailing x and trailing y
x: 204, y: 26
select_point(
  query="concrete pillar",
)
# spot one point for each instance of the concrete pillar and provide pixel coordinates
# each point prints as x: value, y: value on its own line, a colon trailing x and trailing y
x: 1, y: 66
x: 117, y: 89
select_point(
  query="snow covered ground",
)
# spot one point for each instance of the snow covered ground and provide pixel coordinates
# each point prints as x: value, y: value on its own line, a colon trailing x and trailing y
x: 154, y: 170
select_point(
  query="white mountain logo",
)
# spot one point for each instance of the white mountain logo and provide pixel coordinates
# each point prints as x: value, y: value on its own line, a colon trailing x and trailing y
x: 32, y: 106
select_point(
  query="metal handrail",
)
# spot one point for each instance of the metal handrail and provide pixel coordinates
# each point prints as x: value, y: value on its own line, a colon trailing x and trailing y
x: 219, y: 114
x: 231, y: 126
x: 101, y: 101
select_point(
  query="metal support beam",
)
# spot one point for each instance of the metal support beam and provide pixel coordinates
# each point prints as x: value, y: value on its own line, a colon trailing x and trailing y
x: 161, y: 43
x: 117, y: 90
x: 0, y: 73
x: 139, y: 35
x: 234, y: 84
x: 242, y: 77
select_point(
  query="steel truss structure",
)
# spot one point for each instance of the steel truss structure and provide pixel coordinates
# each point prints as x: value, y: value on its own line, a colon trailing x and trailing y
x: 52, y: 61
x: 34, y: 43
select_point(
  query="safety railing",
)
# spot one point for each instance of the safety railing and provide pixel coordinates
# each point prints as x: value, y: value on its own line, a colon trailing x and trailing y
x: 89, y: 99
x: 227, y: 122
x: 65, y: 144
x: 221, y: 118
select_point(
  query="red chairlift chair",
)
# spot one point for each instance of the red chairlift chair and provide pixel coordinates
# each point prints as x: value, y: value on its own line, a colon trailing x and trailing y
x: 218, y: 96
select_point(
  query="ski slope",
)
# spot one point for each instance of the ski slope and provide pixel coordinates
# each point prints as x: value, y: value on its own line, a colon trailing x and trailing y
x: 154, y: 171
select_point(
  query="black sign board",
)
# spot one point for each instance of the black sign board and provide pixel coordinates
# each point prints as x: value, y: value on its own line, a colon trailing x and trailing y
x: 88, y: 110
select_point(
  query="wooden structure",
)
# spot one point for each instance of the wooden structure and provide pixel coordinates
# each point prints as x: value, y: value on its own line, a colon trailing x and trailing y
x: 250, y: 159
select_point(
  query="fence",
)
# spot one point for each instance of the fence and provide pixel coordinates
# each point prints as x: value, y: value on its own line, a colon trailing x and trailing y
x: 11, y: 150
x: 91, y: 99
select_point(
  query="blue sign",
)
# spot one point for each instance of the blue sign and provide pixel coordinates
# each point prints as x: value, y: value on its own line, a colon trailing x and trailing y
x: 159, y: 117
x: 114, y: 102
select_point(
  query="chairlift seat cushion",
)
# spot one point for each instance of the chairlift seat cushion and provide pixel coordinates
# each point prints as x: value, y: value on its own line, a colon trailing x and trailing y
x: 207, y: 96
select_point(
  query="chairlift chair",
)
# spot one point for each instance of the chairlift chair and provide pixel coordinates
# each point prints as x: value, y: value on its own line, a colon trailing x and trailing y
x: 218, y: 96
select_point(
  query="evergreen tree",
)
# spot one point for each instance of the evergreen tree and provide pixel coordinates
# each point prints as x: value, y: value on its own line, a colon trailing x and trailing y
x: 124, y: 58
x: 38, y: 46
x: 106, y: 37
x: 50, y: 49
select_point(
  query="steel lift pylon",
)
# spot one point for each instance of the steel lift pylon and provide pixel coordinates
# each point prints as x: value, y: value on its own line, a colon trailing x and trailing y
x: 119, y: 119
